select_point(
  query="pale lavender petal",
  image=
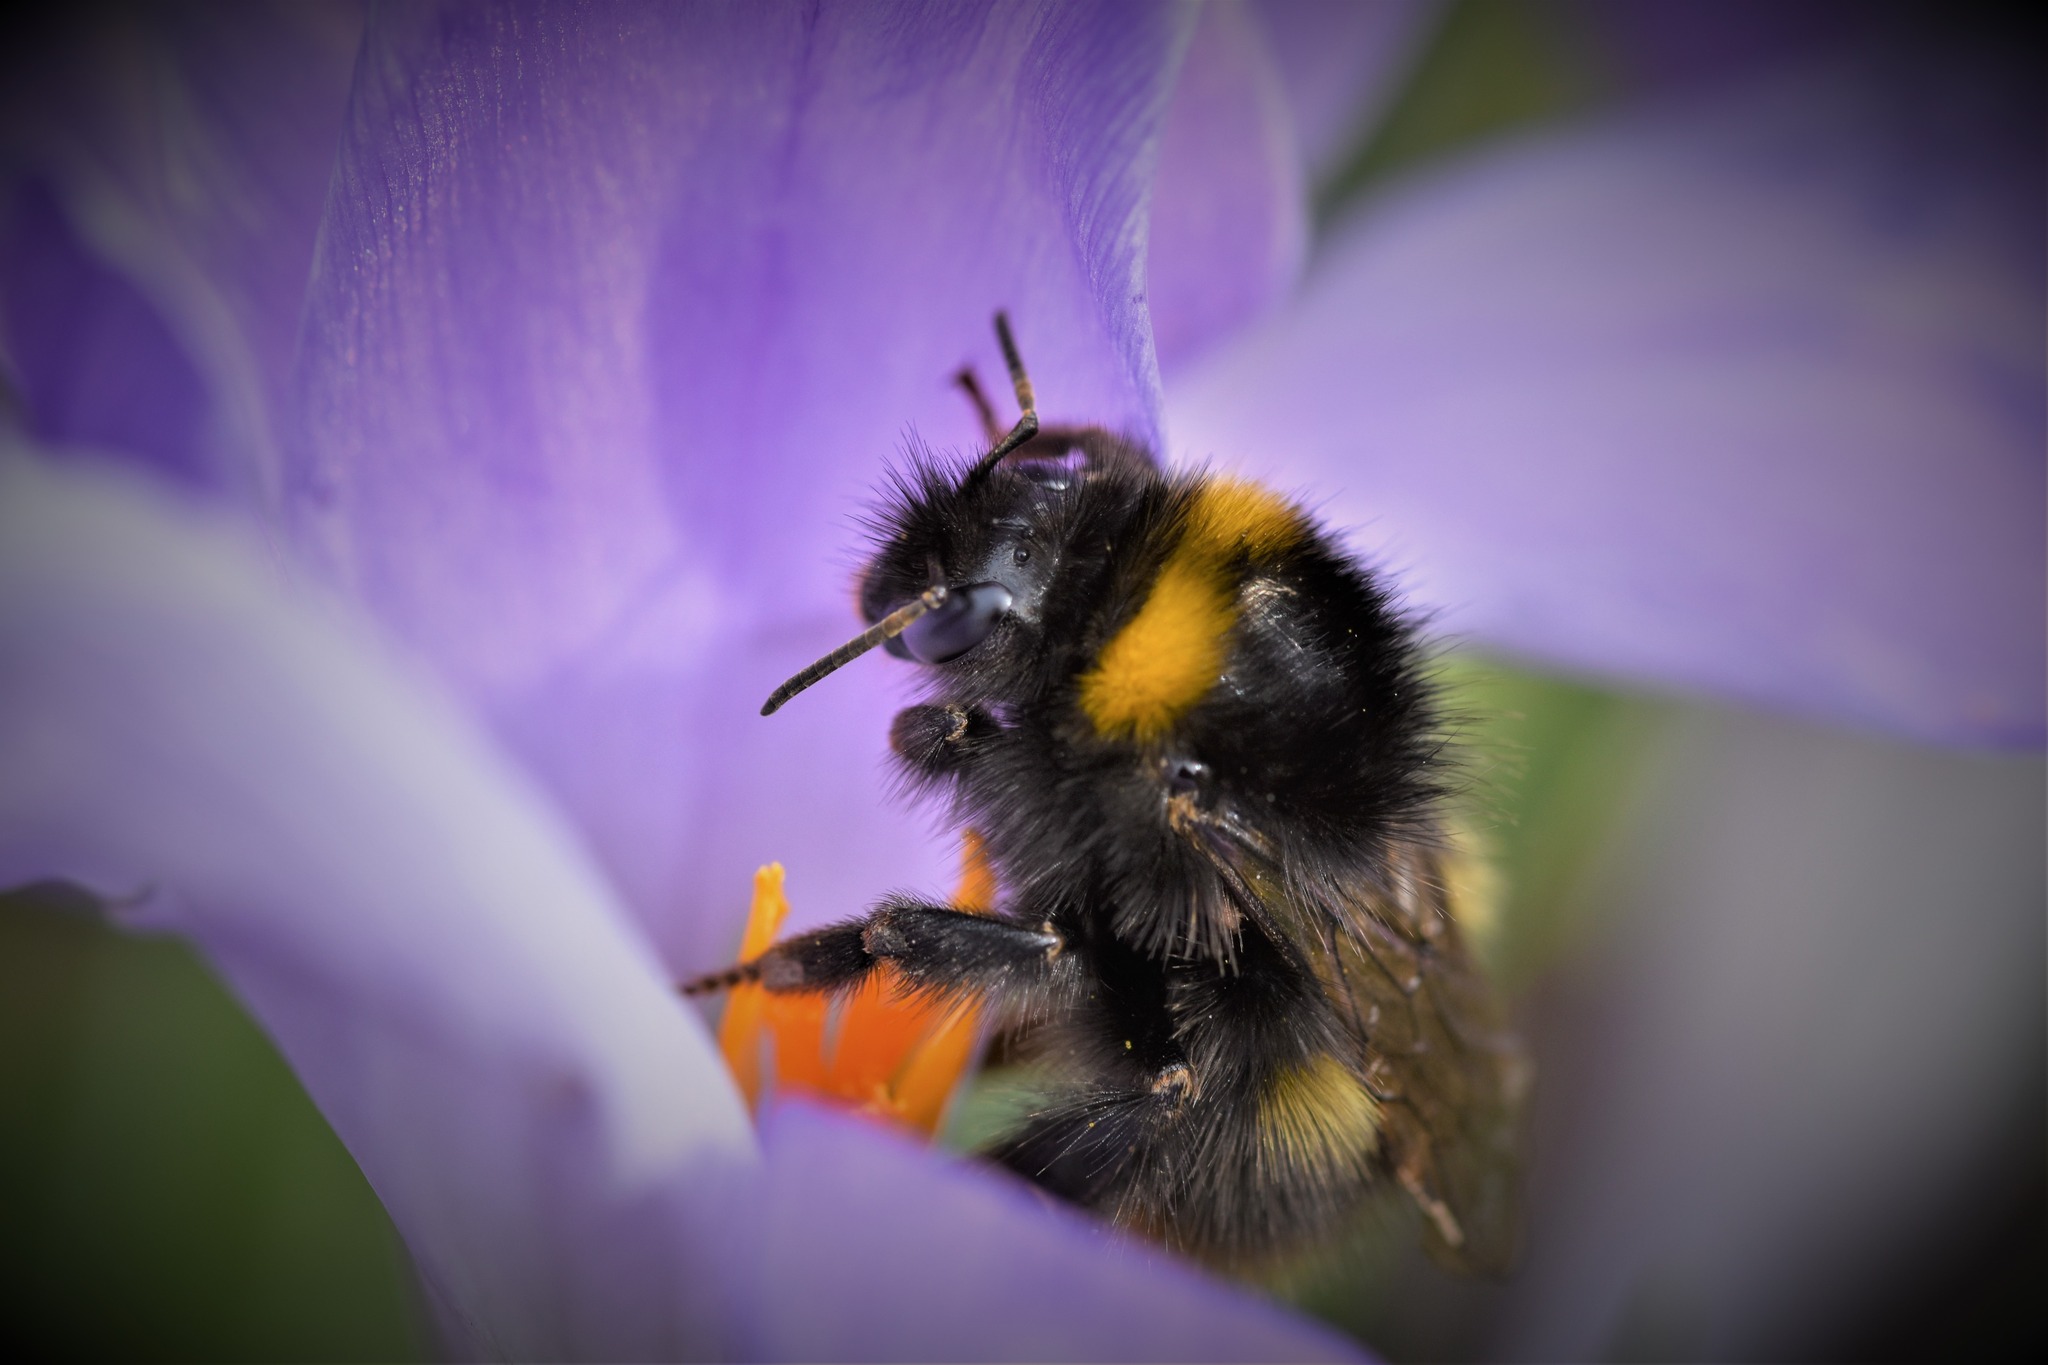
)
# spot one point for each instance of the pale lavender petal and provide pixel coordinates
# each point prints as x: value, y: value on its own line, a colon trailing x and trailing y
x: 1230, y: 205
x: 618, y: 316
x: 1745, y: 398
x: 1342, y: 64
x: 429, y: 946
x: 171, y: 162
x: 941, y: 1240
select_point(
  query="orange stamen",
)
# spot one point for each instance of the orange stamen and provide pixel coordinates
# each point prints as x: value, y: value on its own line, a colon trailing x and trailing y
x: 880, y: 1050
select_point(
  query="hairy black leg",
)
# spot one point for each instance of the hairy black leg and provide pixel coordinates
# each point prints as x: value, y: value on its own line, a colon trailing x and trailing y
x: 822, y: 960
x: 935, y: 948
x: 939, y: 948
x: 936, y: 740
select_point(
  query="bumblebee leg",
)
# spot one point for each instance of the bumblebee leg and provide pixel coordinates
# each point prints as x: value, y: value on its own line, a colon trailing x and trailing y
x: 934, y: 947
x: 937, y: 740
x: 823, y: 960
x: 939, y: 948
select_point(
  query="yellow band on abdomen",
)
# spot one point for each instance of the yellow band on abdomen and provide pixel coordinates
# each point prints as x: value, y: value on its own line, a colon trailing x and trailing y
x: 1318, y: 1115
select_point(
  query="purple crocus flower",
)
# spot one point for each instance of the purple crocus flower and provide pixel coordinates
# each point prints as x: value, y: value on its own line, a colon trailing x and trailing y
x: 439, y: 433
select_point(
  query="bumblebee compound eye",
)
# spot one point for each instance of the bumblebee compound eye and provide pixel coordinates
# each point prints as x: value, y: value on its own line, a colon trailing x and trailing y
x: 958, y: 624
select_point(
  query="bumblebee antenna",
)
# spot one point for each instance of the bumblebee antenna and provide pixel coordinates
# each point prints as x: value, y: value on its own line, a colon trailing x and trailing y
x: 888, y: 628
x: 970, y: 384
x: 899, y: 620
x: 1027, y: 424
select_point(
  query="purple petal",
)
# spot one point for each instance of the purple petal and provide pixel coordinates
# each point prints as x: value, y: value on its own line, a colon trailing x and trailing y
x: 1269, y: 94
x: 1341, y: 65
x: 153, y: 271
x: 1230, y: 205
x: 1747, y: 398
x: 428, y: 945
x: 935, y: 1238
x: 617, y: 318
x: 91, y: 358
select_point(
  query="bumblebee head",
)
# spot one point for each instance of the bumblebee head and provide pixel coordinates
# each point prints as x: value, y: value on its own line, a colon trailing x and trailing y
x: 980, y: 543
x: 966, y: 562
x: 997, y: 540
x: 966, y: 558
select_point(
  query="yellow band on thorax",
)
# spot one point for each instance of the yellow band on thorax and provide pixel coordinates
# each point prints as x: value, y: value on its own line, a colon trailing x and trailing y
x: 1168, y: 655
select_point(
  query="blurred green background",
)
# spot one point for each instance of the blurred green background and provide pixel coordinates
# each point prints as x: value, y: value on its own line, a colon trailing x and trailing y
x: 170, y: 1193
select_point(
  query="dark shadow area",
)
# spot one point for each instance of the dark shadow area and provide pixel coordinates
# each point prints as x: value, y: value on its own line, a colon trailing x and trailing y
x: 170, y: 1192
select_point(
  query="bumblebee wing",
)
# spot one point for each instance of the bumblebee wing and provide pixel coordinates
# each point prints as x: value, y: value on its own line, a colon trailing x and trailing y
x: 1432, y: 1037
x: 1451, y: 1077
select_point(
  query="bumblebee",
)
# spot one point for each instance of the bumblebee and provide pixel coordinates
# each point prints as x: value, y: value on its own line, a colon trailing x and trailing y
x: 1199, y: 744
